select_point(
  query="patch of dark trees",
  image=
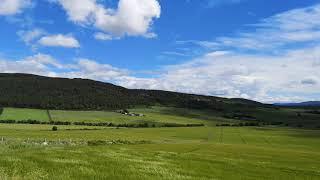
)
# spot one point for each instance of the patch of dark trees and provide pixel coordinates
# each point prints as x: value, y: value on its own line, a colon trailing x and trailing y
x: 31, y: 91
x: 250, y: 124
x: 240, y: 116
x: 103, y: 124
x: 313, y: 112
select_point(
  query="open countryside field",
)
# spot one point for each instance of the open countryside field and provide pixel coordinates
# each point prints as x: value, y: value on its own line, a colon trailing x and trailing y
x: 34, y: 151
x: 159, y: 153
x: 107, y: 116
x: 154, y: 114
x: 24, y: 114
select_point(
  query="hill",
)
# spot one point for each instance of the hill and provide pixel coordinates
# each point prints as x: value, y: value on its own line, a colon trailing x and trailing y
x: 302, y: 104
x: 38, y: 92
x: 32, y: 91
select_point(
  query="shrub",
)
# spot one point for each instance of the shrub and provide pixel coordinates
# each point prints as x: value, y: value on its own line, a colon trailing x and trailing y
x: 54, y: 128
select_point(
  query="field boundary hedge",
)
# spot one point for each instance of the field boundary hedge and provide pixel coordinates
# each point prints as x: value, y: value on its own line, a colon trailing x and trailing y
x: 103, y: 124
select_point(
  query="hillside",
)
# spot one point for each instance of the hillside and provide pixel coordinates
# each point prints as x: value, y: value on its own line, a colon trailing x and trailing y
x: 31, y: 91
x: 24, y: 90
x: 302, y: 104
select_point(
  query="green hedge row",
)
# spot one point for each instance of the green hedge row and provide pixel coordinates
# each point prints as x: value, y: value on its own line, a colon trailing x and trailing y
x: 105, y: 124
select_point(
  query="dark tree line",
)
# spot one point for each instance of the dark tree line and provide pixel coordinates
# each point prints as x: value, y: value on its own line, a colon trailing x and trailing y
x: 31, y: 91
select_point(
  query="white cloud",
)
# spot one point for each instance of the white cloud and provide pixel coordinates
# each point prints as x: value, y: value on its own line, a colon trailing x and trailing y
x: 292, y: 27
x: 131, y: 18
x: 37, y: 64
x: 286, y: 77
x: 262, y: 78
x: 59, y: 40
x: 103, y: 37
x: 31, y: 35
x: 12, y: 7
x: 291, y: 74
x: 46, y: 65
x: 86, y: 68
x: 45, y: 60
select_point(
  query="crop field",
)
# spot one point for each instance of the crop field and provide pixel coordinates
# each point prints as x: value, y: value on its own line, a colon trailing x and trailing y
x: 34, y: 151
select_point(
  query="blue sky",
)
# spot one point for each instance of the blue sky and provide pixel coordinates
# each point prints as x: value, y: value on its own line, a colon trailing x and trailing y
x: 262, y: 50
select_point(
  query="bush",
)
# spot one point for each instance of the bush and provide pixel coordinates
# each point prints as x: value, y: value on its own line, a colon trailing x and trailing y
x: 54, y: 128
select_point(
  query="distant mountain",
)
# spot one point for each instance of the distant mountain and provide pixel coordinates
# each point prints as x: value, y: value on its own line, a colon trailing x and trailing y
x: 302, y: 104
x: 32, y: 91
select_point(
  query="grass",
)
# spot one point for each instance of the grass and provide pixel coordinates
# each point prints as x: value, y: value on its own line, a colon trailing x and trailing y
x: 151, y: 115
x: 24, y: 114
x: 167, y: 153
x: 173, y: 153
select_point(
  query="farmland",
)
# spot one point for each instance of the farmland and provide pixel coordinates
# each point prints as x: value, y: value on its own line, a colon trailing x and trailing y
x: 33, y: 151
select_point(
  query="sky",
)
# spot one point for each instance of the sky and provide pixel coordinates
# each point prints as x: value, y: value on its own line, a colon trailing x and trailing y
x: 264, y: 50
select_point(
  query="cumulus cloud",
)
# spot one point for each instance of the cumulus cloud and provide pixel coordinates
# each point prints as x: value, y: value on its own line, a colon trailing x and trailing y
x: 29, y: 36
x: 59, y: 40
x: 12, y: 7
x: 131, y: 18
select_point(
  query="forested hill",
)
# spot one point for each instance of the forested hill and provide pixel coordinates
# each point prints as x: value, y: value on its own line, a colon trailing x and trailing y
x: 32, y: 91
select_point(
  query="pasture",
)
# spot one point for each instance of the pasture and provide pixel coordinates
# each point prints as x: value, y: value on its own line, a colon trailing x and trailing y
x: 24, y: 114
x: 34, y: 151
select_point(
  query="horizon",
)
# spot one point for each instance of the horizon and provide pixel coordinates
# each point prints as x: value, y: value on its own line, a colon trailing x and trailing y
x: 56, y: 77
x: 263, y: 51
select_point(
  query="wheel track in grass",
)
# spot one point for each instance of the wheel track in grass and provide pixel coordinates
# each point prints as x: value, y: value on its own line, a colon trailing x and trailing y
x: 241, y: 137
x: 266, y: 139
x: 1, y: 110
x: 49, y: 115
x: 221, y: 135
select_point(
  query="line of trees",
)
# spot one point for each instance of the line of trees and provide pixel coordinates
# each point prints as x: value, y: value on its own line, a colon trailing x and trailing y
x: 31, y: 91
x: 104, y: 124
x: 252, y: 124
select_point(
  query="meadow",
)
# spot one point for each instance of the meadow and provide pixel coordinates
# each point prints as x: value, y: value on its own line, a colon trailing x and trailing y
x: 32, y: 151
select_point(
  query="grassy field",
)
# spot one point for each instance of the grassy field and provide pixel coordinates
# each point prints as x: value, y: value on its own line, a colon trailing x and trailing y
x: 167, y: 153
x: 151, y: 115
x: 24, y: 114
x: 209, y: 152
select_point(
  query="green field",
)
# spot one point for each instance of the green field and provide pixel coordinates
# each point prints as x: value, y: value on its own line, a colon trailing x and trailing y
x: 24, y: 114
x: 154, y: 114
x: 151, y: 115
x: 32, y: 151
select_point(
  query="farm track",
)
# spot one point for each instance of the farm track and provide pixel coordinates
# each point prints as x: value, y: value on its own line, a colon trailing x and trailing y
x: 49, y: 115
x: 241, y: 137
x: 266, y: 140
x: 221, y: 135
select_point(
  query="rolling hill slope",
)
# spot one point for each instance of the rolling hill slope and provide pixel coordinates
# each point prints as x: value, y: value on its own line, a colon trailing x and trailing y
x: 38, y: 92
x: 31, y: 91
